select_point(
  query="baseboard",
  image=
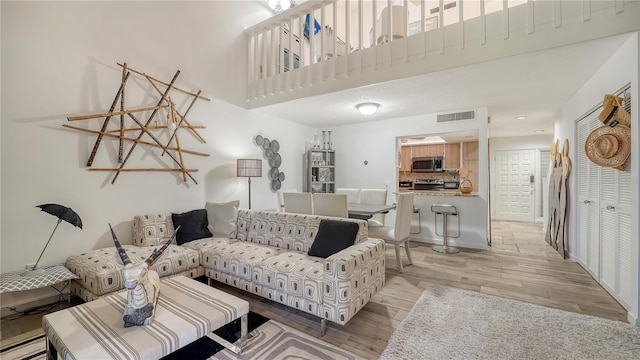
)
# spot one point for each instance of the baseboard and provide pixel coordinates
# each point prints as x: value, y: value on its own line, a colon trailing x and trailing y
x: 451, y: 242
x: 633, y: 318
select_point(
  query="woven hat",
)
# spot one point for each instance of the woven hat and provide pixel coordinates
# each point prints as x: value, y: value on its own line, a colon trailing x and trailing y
x: 613, y: 113
x: 609, y: 146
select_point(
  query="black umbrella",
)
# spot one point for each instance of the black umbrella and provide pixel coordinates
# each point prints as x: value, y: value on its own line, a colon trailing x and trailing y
x: 62, y: 213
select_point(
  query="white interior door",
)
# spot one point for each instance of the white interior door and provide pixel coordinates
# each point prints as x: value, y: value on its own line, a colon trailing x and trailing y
x: 515, y: 190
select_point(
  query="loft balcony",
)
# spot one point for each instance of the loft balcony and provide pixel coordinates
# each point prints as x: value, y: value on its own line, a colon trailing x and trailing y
x: 344, y: 44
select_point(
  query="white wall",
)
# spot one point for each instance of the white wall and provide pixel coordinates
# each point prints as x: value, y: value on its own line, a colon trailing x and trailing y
x: 622, y: 68
x: 59, y: 59
x: 375, y: 142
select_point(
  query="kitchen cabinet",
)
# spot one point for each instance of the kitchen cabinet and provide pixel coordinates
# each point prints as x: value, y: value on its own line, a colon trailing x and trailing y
x: 451, y: 156
x: 405, y: 158
x: 428, y: 150
x: 320, y: 171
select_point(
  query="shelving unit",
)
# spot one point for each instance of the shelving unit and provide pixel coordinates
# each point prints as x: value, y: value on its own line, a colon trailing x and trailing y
x: 320, y: 171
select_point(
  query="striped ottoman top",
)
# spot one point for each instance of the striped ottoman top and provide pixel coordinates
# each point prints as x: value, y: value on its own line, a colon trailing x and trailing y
x: 187, y: 310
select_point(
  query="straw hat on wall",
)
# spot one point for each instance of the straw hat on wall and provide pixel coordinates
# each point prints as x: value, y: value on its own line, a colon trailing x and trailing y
x: 609, y: 146
x: 613, y: 113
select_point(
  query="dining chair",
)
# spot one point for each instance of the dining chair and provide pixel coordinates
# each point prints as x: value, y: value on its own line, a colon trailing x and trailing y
x: 330, y: 205
x: 374, y: 196
x: 281, y: 199
x: 399, y: 234
x: 353, y: 195
x: 298, y: 202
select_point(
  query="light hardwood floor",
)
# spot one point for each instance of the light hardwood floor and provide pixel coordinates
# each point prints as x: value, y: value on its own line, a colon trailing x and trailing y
x: 519, y: 265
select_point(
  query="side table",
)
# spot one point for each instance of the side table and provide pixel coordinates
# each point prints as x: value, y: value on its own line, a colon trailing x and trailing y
x: 47, y: 276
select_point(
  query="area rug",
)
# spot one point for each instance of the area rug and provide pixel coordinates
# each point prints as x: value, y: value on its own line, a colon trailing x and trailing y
x: 449, y: 323
x: 29, y: 347
x: 275, y: 341
x: 268, y: 339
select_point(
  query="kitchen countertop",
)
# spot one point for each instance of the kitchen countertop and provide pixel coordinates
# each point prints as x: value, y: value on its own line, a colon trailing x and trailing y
x: 439, y: 192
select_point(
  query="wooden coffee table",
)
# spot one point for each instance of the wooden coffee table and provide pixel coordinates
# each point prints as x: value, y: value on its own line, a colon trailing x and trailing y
x: 187, y: 310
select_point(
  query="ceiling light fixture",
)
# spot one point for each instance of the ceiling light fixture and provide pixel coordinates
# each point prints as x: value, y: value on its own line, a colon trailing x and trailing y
x: 521, y: 117
x: 367, y: 108
x: 279, y: 6
x: 426, y: 140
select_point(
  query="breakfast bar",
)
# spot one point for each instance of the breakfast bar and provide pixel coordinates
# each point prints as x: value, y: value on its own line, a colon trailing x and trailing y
x: 473, y: 225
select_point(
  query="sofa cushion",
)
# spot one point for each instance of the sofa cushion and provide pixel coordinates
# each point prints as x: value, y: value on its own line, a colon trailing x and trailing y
x: 193, y: 226
x: 223, y: 218
x: 292, y: 231
x: 244, y: 222
x: 100, y: 270
x: 152, y: 229
x: 332, y: 237
x: 202, y: 245
x: 238, y: 258
x: 283, y: 230
x: 293, y: 273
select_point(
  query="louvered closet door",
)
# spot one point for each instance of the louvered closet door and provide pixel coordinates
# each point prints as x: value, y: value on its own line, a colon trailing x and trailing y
x: 604, y: 243
x: 615, y: 233
x: 588, y: 242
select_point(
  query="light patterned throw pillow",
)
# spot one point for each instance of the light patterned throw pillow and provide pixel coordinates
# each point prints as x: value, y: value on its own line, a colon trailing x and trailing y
x: 152, y: 229
x: 223, y: 218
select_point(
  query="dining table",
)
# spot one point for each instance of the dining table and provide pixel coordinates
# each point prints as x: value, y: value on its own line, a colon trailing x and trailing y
x: 366, y: 211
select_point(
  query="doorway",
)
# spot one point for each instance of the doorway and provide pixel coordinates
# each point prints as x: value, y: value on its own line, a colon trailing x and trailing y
x: 515, y: 185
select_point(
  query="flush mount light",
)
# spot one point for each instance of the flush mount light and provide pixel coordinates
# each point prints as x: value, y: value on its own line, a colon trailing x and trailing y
x: 279, y: 6
x: 521, y: 117
x: 367, y: 108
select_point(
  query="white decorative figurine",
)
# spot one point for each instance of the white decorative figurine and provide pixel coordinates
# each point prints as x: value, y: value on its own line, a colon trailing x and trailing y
x: 143, y: 285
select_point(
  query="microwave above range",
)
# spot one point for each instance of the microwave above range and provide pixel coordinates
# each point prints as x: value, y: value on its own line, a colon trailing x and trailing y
x: 427, y: 164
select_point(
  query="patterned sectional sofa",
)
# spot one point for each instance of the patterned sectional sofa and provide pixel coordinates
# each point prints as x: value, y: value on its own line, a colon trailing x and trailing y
x: 268, y: 257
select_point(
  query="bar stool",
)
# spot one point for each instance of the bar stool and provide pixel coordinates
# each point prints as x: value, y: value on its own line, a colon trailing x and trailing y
x: 445, y: 210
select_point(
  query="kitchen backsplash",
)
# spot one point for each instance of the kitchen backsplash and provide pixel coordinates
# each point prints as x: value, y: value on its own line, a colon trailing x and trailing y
x: 446, y: 176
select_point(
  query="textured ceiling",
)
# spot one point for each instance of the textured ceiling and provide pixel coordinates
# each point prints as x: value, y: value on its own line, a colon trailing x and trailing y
x: 535, y: 84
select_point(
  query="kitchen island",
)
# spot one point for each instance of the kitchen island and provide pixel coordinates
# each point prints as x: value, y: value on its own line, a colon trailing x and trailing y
x: 472, y: 210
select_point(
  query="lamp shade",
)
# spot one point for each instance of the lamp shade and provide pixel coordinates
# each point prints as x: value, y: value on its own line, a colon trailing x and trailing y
x: 249, y: 167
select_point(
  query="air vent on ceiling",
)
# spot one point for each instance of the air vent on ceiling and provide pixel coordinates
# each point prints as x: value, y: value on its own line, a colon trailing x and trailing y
x: 446, y: 6
x: 465, y: 115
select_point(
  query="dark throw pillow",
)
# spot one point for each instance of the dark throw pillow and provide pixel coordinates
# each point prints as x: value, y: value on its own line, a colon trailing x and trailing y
x: 333, y: 236
x: 193, y: 226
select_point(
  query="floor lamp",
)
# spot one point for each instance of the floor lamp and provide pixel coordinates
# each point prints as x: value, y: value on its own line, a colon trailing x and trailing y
x: 249, y: 168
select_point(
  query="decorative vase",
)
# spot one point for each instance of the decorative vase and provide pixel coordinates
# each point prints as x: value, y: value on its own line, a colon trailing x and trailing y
x: 330, y: 142
x: 324, y: 140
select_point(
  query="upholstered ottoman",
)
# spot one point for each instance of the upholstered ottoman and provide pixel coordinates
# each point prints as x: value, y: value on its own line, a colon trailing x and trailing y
x: 186, y: 311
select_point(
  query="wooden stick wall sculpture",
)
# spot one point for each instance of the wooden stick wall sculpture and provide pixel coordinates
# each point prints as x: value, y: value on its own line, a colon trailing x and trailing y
x: 175, y: 122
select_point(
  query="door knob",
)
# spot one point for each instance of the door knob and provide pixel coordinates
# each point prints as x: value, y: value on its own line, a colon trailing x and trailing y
x: 587, y: 201
x: 610, y: 207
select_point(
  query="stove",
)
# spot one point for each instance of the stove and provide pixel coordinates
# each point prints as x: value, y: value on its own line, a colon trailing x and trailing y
x: 428, y: 184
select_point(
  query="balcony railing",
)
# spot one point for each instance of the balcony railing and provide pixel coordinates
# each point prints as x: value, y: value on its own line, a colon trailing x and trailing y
x: 322, y: 40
